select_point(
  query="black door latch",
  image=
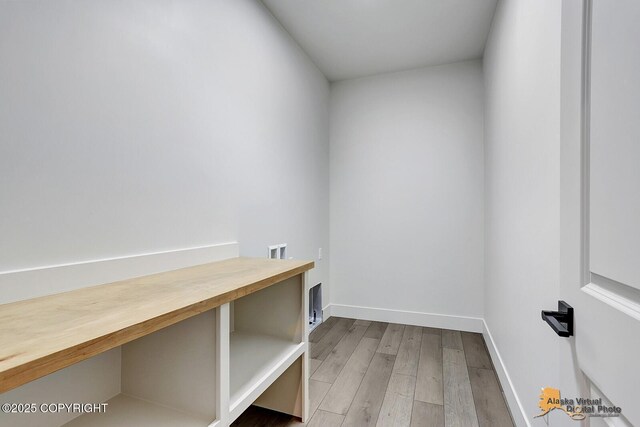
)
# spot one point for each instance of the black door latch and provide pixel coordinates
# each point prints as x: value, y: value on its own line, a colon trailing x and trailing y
x: 560, y: 321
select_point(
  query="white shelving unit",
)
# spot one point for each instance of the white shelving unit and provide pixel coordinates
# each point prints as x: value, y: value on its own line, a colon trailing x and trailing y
x: 200, y: 370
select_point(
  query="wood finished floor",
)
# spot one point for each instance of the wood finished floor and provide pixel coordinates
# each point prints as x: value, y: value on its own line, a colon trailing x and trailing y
x: 377, y: 374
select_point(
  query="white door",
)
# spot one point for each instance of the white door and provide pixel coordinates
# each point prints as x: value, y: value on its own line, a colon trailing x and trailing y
x: 600, y: 205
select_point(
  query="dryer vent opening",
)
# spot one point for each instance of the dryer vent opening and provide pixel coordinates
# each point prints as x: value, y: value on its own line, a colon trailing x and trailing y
x: 315, y: 306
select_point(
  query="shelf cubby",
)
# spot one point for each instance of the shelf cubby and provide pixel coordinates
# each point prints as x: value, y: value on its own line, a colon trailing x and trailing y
x: 267, y: 337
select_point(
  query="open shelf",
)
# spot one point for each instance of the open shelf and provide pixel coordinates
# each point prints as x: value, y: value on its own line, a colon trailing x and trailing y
x: 125, y: 410
x: 192, y: 348
x: 254, y: 358
x: 267, y: 337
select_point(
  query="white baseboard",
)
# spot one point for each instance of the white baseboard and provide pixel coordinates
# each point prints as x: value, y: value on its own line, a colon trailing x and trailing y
x: 18, y: 285
x: 515, y: 406
x: 326, y: 312
x: 443, y: 321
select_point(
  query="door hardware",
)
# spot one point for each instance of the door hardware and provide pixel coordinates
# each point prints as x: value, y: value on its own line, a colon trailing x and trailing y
x: 561, y: 321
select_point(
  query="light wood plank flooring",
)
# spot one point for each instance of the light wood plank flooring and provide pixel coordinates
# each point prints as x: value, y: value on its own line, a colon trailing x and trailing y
x: 377, y: 374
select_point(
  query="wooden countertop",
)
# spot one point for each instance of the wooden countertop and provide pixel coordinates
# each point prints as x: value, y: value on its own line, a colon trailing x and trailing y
x: 42, y: 335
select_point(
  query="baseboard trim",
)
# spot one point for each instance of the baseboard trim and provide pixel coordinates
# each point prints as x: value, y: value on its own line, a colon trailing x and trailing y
x: 513, y: 401
x: 34, y: 282
x: 433, y: 320
x: 326, y: 312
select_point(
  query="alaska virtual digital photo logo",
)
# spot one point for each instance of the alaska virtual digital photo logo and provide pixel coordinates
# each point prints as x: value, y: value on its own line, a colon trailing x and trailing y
x: 577, y: 409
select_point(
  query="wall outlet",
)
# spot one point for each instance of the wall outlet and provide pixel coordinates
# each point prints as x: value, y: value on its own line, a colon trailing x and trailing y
x: 277, y: 251
x: 273, y: 252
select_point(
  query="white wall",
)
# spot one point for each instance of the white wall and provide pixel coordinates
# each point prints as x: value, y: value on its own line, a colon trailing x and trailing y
x: 522, y: 160
x: 130, y: 127
x: 407, y: 191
